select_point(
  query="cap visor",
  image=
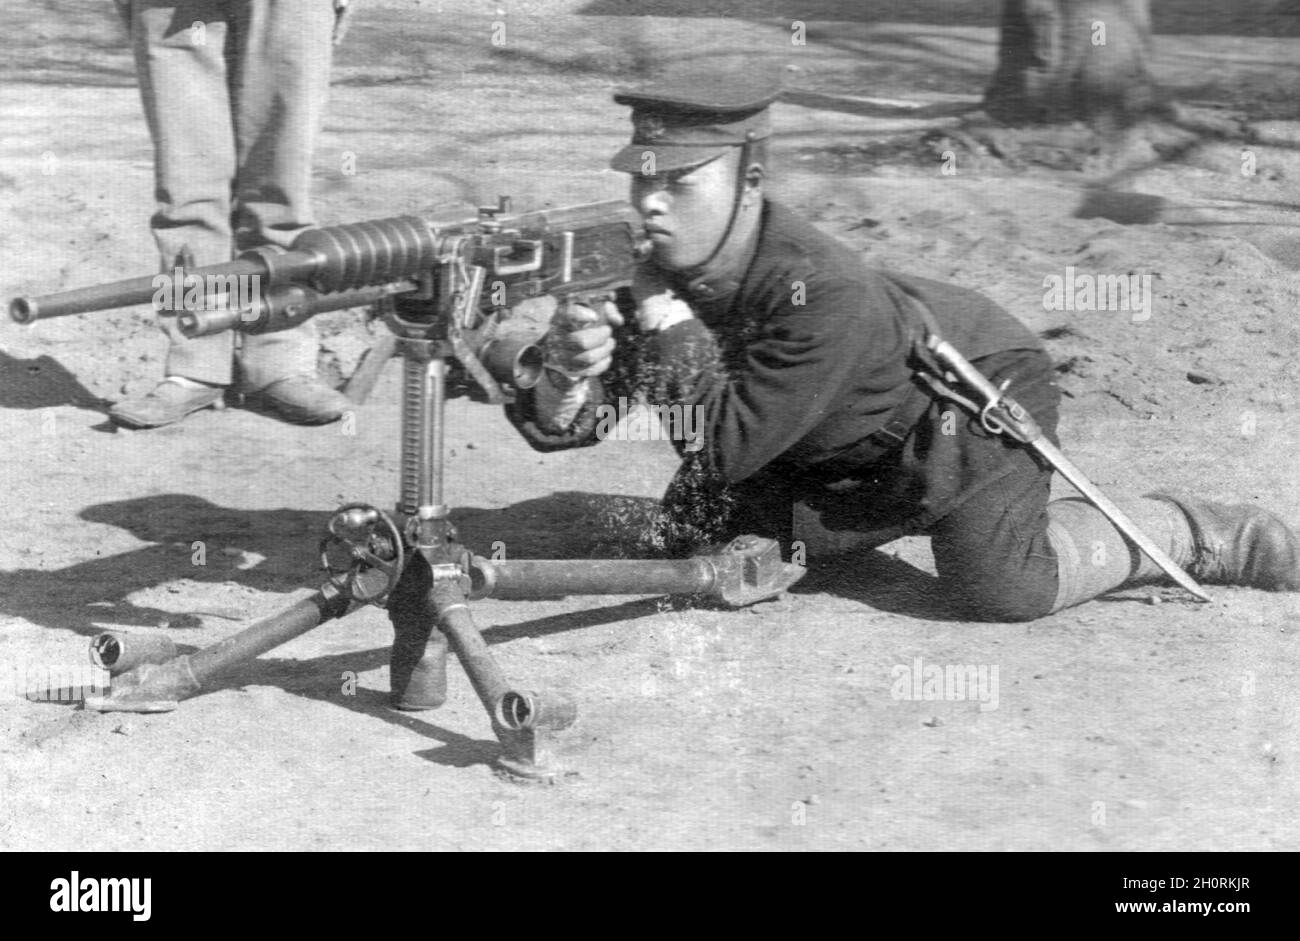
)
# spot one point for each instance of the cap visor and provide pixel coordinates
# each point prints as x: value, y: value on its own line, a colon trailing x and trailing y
x: 637, y: 158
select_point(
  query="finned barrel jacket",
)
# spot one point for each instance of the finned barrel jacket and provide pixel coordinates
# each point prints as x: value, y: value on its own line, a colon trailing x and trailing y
x: 795, y: 365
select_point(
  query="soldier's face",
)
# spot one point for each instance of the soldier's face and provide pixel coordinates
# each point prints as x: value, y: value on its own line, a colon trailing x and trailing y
x: 686, y: 211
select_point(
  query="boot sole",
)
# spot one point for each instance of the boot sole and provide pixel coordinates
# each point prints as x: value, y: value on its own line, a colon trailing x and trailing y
x: 135, y: 422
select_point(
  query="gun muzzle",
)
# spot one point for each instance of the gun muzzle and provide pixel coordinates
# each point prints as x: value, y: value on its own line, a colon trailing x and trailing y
x: 129, y: 293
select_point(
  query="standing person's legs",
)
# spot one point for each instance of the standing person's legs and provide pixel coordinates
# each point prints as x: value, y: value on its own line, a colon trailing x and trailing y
x: 279, y: 83
x: 178, y: 50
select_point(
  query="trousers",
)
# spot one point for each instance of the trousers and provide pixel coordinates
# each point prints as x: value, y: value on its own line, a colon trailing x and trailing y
x: 1003, y: 550
x: 234, y: 92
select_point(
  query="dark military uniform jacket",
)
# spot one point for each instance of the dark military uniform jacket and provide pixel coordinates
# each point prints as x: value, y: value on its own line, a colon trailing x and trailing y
x: 795, y: 369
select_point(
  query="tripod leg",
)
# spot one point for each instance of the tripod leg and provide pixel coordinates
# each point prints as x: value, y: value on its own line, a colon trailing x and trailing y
x: 418, y: 667
x: 158, y: 686
x: 526, y: 723
x: 372, y: 365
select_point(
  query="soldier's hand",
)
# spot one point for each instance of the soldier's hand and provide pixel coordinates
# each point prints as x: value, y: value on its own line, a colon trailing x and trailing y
x: 657, y: 305
x: 580, y: 341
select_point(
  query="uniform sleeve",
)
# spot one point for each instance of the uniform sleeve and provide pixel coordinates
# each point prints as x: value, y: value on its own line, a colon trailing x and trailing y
x: 581, y: 433
x: 799, y: 363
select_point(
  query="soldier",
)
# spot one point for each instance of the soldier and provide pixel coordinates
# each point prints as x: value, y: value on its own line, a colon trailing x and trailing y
x: 234, y: 92
x: 800, y: 362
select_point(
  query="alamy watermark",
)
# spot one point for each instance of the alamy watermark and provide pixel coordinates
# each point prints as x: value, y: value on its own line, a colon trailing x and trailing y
x: 952, y: 682
x: 639, y: 421
x: 77, y: 894
x: 183, y: 290
x: 1084, y: 291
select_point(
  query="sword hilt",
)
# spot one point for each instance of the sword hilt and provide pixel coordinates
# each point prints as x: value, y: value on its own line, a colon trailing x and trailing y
x: 1000, y: 414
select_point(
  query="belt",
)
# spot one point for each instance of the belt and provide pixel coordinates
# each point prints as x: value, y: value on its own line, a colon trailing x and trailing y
x: 889, y: 437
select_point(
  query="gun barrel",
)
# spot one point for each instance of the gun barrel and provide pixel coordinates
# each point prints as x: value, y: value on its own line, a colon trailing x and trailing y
x: 116, y: 294
x: 329, y: 260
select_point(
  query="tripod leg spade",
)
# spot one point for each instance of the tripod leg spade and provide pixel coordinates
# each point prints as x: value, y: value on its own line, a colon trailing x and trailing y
x: 157, y: 686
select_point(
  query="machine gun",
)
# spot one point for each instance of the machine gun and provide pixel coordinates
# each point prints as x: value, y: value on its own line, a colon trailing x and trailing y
x: 454, y: 284
x: 446, y: 292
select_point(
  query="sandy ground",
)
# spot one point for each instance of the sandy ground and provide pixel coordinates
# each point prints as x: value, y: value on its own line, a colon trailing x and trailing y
x: 1122, y: 724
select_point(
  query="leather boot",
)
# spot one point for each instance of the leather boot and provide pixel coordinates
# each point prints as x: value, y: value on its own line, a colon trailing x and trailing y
x: 1239, y: 545
x: 167, y: 403
x: 305, y: 400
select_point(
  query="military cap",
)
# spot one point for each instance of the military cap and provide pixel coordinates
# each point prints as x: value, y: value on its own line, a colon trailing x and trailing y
x: 693, y: 117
